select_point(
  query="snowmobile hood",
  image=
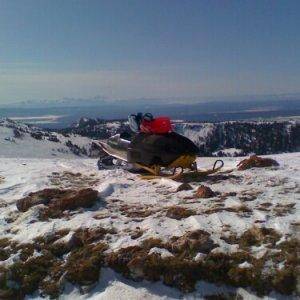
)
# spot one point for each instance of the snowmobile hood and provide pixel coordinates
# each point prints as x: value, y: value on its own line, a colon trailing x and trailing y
x: 160, y: 149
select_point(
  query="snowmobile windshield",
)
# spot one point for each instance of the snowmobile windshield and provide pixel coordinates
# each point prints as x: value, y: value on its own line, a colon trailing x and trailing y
x: 133, y: 124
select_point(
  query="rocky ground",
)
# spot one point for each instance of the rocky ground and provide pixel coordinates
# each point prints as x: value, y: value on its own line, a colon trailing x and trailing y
x: 68, y: 229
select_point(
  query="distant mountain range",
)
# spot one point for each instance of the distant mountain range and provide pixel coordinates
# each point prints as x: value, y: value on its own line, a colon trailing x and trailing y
x: 213, y: 102
x: 67, y: 111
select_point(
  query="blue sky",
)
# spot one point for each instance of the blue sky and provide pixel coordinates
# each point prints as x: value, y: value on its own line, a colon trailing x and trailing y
x: 148, y: 48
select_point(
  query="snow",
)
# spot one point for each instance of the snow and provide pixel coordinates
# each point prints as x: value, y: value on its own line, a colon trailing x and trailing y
x: 229, y: 152
x: 245, y: 265
x: 29, y: 147
x: 164, y: 253
x: 27, y: 165
x: 113, y: 125
x: 196, y: 132
x: 199, y: 256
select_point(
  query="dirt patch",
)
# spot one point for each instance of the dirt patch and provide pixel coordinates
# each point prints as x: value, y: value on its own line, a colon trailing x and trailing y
x: 30, y: 273
x: 85, y: 236
x: 182, y: 271
x: 84, y: 264
x: 249, y: 195
x: 256, y: 162
x: 218, y: 178
x: 5, y: 249
x: 191, y: 243
x: 210, y: 179
x: 227, y: 194
x: 184, y: 187
x: 3, y: 203
x: 136, y: 234
x: 284, y: 209
x: 72, y: 180
x: 137, y: 211
x: 239, y: 209
x: 56, y: 201
x: 178, y: 212
x: 256, y: 236
x: 48, y: 272
x: 134, y: 262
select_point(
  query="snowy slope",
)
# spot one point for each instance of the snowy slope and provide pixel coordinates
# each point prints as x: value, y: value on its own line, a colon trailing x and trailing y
x: 17, y: 140
x: 118, y: 188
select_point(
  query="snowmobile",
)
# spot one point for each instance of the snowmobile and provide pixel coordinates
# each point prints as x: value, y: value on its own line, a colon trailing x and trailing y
x: 154, y: 153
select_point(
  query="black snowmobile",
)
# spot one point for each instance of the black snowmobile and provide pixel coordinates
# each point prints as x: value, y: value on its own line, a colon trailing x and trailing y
x: 154, y: 152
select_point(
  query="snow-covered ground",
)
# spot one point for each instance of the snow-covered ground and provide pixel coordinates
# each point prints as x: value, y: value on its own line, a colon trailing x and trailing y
x: 243, y: 199
x: 17, y: 140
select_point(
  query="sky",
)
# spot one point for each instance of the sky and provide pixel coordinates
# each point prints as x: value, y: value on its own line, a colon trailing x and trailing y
x: 130, y: 49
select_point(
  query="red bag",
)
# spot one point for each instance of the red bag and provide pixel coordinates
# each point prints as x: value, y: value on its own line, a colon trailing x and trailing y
x: 159, y: 125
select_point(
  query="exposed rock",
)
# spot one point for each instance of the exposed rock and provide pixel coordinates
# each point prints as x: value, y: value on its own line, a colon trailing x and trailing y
x: 53, y: 138
x: 184, y: 187
x: 59, y: 199
x: 76, y: 149
x: 37, y: 135
x: 75, y: 199
x: 204, y: 192
x: 256, y: 162
x: 18, y: 134
x: 36, y: 198
x: 96, y: 150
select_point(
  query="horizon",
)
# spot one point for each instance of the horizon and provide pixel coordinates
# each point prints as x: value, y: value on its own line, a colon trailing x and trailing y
x: 148, y: 49
x: 98, y: 100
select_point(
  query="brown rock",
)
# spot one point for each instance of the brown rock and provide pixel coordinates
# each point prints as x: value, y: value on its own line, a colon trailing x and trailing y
x: 256, y: 162
x: 184, y: 187
x: 204, y: 192
x: 59, y: 199
x: 75, y: 199
x: 40, y: 197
